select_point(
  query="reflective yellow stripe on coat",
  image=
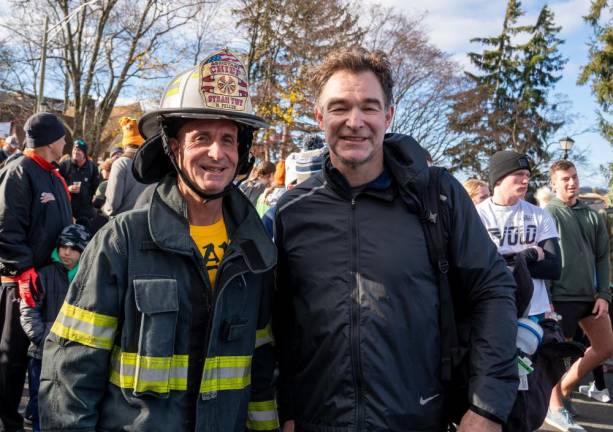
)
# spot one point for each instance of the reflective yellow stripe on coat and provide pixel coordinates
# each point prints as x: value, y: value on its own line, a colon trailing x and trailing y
x: 144, y: 373
x: 264, y: 336
x: 85, y: 327
x: 225, y: 373
x: 262, y: 416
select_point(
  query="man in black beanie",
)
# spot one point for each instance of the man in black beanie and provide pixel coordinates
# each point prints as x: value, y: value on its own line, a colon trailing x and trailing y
x: 518, y: 227
x: 521, y: 231
x: 83, y: 178
x: 34, y: 208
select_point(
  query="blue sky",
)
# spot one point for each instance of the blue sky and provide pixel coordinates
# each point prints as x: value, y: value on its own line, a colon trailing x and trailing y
x: 452, y: 23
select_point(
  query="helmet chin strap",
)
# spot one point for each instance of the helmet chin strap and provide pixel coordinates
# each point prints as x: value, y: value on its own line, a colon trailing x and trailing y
x: 190, y: 184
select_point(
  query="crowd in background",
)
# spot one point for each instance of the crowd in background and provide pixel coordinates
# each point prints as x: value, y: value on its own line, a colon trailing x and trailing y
x: 42, y: 246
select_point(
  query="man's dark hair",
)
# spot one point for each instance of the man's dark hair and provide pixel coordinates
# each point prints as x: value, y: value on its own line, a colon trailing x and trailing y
x: 356, y: 59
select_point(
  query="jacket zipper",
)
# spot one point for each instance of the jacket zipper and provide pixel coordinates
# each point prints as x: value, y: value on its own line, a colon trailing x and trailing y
x: 212, y: 300
x: 355, y: 322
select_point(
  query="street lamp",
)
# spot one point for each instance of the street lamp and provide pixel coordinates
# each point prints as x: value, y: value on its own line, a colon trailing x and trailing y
x: 566, y: 144
x: 49, y: 33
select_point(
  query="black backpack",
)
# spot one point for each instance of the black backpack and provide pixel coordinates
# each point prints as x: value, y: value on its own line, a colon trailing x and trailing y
x: 530, y: 407
x: 453, y: 316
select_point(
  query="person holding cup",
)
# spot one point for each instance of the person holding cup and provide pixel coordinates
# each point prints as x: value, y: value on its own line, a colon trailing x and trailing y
x: 82, y: 178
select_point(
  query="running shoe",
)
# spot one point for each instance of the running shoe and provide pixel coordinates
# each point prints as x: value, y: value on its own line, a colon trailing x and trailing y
x: 568, y: 404
x: 592, y: 392
x: 562, y: 420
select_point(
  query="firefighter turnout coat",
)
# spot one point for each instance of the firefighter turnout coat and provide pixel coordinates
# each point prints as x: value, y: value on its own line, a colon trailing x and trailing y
x: 142, y: 342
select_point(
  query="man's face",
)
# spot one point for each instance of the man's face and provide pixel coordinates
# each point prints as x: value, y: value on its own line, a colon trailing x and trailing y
x: 565, y: 183
x: 351, y: 110
x: 57, y: 148
x: 207, y: 152
x: 483, y: 193
x: 514, y: 185
x: 78, y: 155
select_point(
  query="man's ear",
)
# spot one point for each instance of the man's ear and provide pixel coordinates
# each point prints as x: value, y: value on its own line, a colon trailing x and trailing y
x: 174, y: 146
x: 389, y: 116
x: 319, y: 117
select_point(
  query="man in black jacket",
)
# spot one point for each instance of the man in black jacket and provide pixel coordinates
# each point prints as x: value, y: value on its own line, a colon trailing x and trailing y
x: 357, y: 312
x: 82, y: 177
x: 34, y: 208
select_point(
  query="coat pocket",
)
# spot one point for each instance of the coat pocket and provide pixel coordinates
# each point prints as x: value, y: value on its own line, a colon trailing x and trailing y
x: 155, y: 363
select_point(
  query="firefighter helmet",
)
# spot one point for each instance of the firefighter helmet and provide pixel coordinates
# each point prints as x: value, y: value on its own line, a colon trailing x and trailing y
x: 215, y: 89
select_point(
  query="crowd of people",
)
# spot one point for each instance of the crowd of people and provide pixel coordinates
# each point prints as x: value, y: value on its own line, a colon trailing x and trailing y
x: 158, y: 291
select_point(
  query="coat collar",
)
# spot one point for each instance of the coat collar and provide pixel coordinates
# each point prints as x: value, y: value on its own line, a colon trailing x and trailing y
x: 405, y: 161
x: 169, y: 226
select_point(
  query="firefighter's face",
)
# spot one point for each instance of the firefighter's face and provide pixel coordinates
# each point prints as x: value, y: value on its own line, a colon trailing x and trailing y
x: 207, y: 152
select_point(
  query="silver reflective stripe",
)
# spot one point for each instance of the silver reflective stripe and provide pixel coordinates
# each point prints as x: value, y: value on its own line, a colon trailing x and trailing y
x: 227, y: 372
x: 149, y: 374
x: 263, y: 340
x: 262, y: 416
x: 86, y: 327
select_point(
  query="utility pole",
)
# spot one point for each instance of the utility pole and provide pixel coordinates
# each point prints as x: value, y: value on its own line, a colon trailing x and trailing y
x: 43, y: 61
x: 51, y: 32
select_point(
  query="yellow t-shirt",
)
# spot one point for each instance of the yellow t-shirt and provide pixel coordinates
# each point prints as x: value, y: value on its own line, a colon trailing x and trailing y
x: 212, y: 241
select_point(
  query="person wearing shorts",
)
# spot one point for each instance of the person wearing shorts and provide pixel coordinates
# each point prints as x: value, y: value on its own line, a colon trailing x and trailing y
x: 582, y: 294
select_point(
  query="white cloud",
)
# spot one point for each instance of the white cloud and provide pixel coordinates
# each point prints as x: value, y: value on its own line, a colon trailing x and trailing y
x: 569, y: 15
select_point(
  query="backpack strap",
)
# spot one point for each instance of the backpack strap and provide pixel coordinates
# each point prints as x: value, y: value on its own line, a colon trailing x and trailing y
x: 436, y: 222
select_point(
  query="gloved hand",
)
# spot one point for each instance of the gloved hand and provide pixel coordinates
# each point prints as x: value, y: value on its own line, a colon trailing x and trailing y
x: 28, y: 290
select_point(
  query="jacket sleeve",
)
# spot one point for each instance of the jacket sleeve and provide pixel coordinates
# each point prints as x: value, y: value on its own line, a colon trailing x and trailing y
x: 76, y: 356
x: 15, y: 203
x: 31, y: 317
x: 262, y: 409
x: 283, y: 321
x: 95, y: 181
x: 489, y: 292
x: 549, y: 268
x: 115, y: 188
x: 602, y: 259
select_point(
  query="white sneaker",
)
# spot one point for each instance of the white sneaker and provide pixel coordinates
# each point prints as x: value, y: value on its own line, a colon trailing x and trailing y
x: 592, y: 392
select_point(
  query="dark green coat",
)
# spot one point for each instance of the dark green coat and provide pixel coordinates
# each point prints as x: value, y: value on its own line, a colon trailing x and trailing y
x: 121, y: 355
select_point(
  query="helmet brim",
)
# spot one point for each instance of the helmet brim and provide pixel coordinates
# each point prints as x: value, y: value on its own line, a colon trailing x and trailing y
x: 149, y: 125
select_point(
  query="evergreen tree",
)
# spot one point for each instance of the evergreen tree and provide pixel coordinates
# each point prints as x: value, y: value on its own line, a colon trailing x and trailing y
x: 599, y: 69
x: 506, y: 106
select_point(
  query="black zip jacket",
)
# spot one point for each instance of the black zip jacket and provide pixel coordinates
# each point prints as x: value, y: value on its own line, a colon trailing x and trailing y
x: 89, y: 177
x: 356, y: 314
x: 34, y: 208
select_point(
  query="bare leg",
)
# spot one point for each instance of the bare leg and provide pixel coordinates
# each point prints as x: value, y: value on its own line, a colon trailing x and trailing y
x: 601, y: 337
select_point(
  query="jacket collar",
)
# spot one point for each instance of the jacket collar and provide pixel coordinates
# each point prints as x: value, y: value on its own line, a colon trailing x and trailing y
x: 405, y: 161
x: 169, y: 226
